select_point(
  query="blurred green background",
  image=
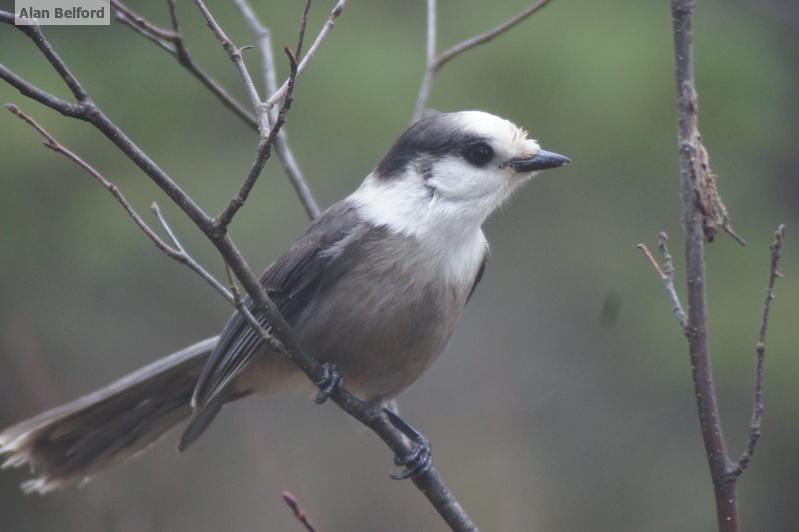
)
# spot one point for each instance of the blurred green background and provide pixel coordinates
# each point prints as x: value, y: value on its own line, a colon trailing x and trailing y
x: 564, y: 400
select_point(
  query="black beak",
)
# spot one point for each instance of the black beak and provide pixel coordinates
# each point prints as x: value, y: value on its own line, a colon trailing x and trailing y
x: 542, y: 160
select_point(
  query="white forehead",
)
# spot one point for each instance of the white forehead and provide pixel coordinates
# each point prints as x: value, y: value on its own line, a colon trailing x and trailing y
x: 503, y: 134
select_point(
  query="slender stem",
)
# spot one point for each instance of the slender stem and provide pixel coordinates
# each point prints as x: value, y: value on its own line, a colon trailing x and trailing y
x: 298, y: 512
x: 696, y: 326
x: 666, y: 275
x: 143, y: 24
x: 309, y: 55
x: 287, y: 159
x: 282, y: 338
x: 429, y: 71
x: 176, y: 47
x: 263, y: 39
x: 468, y: 44
x: 434, y: 64
x: 758, y: 405
x: 263, y: 152
x: 34, y: 93
x: 234, y: 52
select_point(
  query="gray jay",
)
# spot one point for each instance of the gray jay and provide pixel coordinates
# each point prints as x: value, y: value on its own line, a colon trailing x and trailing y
x: 373, y: 289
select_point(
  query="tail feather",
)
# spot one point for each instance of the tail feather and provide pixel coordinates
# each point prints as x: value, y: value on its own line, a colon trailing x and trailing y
x: 73, y: 442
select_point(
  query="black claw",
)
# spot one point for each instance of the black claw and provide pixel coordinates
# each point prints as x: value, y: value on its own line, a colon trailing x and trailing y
x: 327, y: 384
x: 419, y: 458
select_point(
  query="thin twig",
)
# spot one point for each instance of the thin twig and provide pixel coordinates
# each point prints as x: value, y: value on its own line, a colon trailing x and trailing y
x: 143, y: 24
x: 177, y: 48
x: 648, y: 254
x: 429, y: 482
x: 262, y: 153
x: 303, y: 24
x: 234, y: 52
x: 51, y: 143
x: 175, y: 251
x: 758, y: 405
x: 35, y: 34
x: 666, y: 274
x: 468, y: 44
x: 309, y: 55
x: 668, y: 270
x: 121, y: 17
x: 434, y: 64
x: 298, y: 511
x: 263, y: 39
x: 262, y: 110
x: 429, y: 72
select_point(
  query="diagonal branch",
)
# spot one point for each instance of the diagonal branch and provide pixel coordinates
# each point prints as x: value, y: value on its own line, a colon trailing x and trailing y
x: 263, y: 152
x: 429, y: 481
x: 175, y: 251
x: 758, y: 406
x: 263, y: 39
x: 436, y: 63
x: 468, y: 44
x: 309, y: 55
x: 666, y: 274
x: 299, y: 513
x: 234, y: 52
x: 173, y: 43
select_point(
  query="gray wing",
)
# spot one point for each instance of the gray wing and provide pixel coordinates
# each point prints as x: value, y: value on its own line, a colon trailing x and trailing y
x: 291, y: 281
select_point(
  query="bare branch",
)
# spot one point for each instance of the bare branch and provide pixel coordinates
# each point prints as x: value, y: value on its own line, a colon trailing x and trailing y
x: 234, y: 52
x: 468, y: 44
x: 758, y: 404
x: 177, y: 48
x: 264, y: 39
x: 434, y: 64
x: 429, y: 482
x: 297, y: 510
x: 35, y: 34
x: 142, y: 24
x: 264, y: 151
x: 652, y: 261
x: 303, y: 24
x: 184, y: 258
x: 309, y: 55
x: 129, y: 22
x: 668, y: 270
x: 698, y: 195
x: 51, y: 143
x: 666, y: 274
x: 429, y: 72
x: 31, y: 91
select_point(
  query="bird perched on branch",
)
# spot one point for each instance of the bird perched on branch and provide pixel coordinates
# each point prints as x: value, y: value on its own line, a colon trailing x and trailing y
x: 373, y: 289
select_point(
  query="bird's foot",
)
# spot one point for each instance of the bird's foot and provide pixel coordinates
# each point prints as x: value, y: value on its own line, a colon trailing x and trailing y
x: 420, y: 458
x: 328, y: 382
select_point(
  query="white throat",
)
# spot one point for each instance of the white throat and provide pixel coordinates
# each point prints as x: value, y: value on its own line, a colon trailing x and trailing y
x: 453, y: 238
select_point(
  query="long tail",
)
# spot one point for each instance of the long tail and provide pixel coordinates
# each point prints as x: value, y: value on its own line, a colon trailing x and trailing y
x: 73, y: 442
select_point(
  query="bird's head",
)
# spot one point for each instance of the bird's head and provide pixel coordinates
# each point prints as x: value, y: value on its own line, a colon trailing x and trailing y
x: 451, y: 169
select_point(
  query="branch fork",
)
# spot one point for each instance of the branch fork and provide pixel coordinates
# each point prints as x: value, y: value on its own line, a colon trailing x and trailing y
x: 280, y: 336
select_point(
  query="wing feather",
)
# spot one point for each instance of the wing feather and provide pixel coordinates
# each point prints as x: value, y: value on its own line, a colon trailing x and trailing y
x: 291, y: 282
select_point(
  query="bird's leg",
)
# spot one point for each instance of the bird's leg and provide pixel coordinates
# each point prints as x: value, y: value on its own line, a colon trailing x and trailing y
x: 419, y: 458
x: 328, y: 382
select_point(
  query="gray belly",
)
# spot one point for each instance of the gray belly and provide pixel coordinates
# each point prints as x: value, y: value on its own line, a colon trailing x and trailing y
x: 382, y: 325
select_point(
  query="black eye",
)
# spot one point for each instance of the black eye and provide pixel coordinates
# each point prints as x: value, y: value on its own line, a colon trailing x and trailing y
x: 478, y: 154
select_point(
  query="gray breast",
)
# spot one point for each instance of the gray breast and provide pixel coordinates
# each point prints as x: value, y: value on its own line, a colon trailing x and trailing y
x: 381, y: 312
